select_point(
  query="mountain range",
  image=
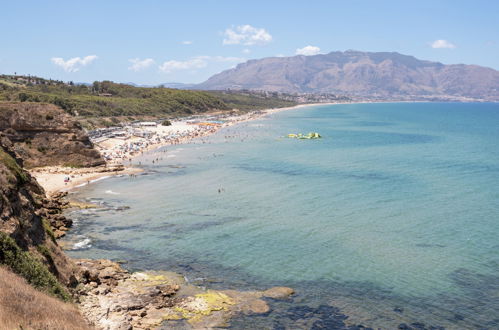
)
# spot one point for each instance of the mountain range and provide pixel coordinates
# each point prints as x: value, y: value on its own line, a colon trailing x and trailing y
x: 381, y: 75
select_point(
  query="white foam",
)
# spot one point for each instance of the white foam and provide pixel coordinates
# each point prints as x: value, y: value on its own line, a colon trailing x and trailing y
x: 110, y: 192
x: 84, y: 244
x: 171, y: 156
x: 92, y: 181
x: 101, y: 178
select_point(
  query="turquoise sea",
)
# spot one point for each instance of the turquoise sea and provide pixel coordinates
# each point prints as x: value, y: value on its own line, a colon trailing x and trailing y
x: 391, y: 218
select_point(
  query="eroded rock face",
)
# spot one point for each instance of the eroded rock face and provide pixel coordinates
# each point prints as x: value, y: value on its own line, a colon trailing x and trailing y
x: 112, y: 298
x: 44, y: 135
x: 51, y: 210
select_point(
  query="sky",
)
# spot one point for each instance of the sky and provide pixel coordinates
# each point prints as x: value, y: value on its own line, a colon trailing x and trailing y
x: 153, y: 42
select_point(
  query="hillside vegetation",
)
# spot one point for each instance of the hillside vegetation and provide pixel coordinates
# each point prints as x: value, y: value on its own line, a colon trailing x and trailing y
x: 245, y: 101
x: 108, y: 99
x: 30, y: 268
x: 22, y: 307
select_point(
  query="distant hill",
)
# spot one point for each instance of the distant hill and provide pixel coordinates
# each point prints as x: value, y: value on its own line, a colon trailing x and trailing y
x: 363, y: 74
x: 107, y: 98
x: 110, y: 100
x: 177, y: 85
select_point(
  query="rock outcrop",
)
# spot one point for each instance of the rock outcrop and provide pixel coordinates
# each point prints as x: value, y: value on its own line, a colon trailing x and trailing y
x: 112, y: 298
x: 52, y: 211
x: 44, y: 135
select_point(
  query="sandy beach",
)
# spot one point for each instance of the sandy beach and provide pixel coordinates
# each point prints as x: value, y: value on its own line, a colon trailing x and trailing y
x: 123, y: 149
x: 119, y: 152
x: 55, y: 178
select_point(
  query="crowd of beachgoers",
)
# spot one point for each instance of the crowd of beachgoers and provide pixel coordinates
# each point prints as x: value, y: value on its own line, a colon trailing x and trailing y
x: 120, y: 144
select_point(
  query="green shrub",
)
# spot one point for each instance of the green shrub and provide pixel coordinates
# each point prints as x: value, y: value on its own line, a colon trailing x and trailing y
x: 44, y: 251
x: 12, y: 165
x: 166, y: 123
x: 33, y: 270
x: 48, y: 229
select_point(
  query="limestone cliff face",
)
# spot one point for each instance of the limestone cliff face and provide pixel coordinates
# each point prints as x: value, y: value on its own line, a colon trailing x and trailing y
x: 25, y: 216
x: 44, y: 135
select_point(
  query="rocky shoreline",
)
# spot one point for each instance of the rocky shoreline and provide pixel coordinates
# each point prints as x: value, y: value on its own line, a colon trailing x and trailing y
x: 32, y: 221
x: 111, y: 297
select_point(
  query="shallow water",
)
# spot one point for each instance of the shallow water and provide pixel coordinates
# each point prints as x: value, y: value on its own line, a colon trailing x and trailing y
x: 392, y: 217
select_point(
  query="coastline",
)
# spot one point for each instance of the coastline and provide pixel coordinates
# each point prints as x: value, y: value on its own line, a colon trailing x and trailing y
x: 54, y: 178
x: 111, y: 297
x: 91, y: 310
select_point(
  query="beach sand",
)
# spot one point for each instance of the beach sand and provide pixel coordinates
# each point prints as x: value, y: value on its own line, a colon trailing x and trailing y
x: 53, y: 179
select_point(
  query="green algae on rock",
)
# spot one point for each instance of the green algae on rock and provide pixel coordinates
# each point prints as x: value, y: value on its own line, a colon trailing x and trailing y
x: 112, y: 298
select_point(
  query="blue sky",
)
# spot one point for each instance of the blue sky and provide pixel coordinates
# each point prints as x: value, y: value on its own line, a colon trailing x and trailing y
x: 151, y: 42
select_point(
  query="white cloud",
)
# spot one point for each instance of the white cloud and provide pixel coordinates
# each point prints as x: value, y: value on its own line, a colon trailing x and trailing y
x: 442, y: 44
x: 308, y: 50
x: 222, y: 58
x: 186, y: 42
x: 194, y: 63
x: 73, y: 64
x: 197, y: 62
x: 139, y: 65
x: 246, y: 35
x: 246, y: 51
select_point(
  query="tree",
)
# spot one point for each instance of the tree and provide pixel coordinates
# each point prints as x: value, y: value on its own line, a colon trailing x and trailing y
x: 96, y: 87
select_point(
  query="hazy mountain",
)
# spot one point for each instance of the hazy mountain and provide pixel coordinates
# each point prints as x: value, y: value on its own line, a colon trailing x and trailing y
x: 177, y: 85
x: 383, y: 75
x: 166, y: 85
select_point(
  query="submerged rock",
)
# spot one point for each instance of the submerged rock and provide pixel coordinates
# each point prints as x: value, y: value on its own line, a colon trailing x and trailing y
x: 278, y: 292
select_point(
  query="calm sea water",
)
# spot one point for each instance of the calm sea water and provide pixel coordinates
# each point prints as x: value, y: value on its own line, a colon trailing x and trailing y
x: 392, y: 217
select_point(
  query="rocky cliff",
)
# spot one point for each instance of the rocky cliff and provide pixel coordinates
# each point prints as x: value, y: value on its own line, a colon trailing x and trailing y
x: 44, y: 135
x: 354, y: 73
x: 27, y: 240
x: 36, y: 276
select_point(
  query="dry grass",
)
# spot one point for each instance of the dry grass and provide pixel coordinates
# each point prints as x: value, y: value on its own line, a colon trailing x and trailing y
x: 23, y: 307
